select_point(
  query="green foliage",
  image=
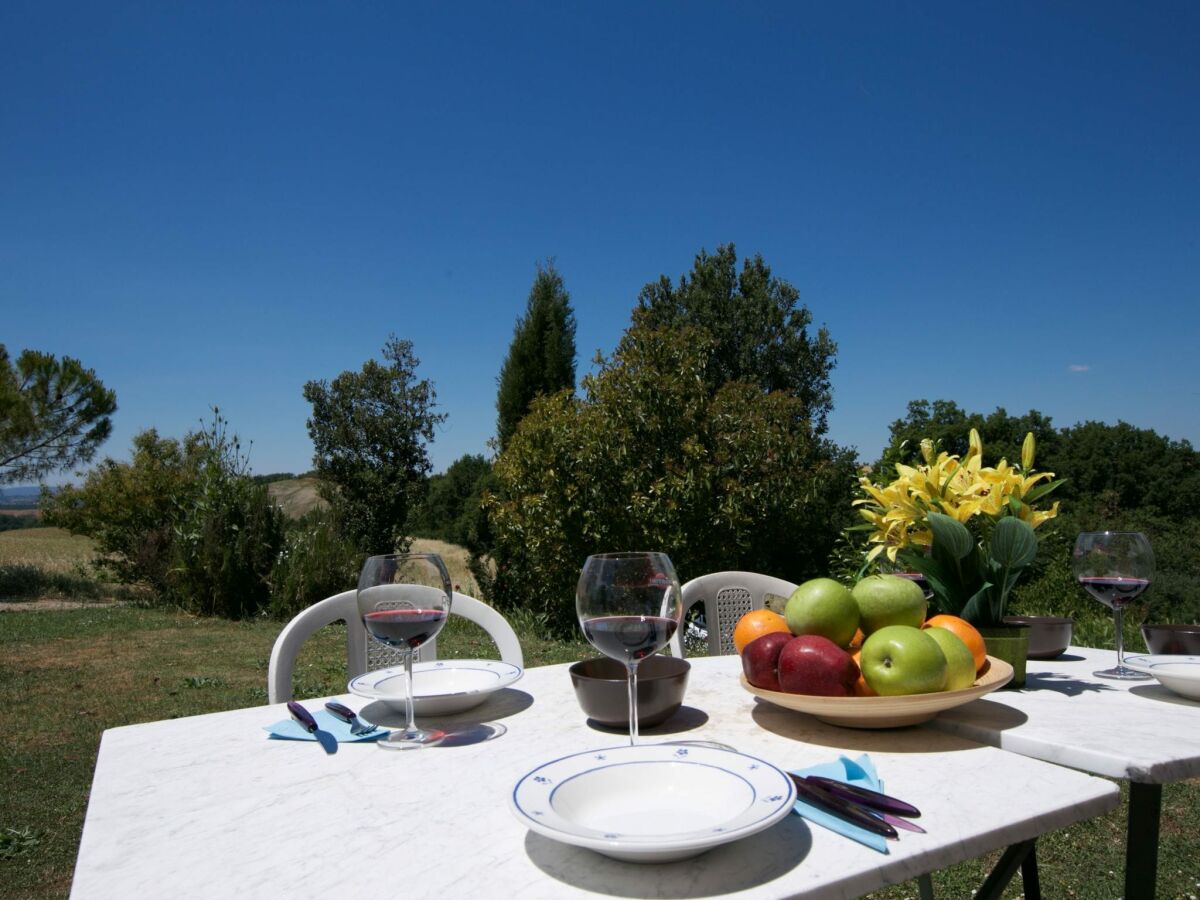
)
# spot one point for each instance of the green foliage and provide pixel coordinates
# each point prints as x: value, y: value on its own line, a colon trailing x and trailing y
x: 948, y: 426
x: 652, y: 457
x: 541, y: 357
x: 316, y: 562
x: 227, y: 533
x: 760, y: 335
x: 972, y: 578
x: 369, y: 431
x: 182, y: 518
x: 453, y: 501
x: 54, y: 414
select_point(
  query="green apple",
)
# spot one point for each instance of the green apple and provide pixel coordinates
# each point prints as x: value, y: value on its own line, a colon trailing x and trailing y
x: 825, y: 607
x: 889, y: 600
x: 901, y: 659
x: 960, y: 662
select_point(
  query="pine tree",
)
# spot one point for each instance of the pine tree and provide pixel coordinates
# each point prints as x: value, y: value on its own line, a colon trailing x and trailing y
x: 541, y: 358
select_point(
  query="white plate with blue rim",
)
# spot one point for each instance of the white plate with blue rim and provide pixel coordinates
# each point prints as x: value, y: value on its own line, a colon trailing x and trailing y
x: 1175, y: 672
x: 441, y: 687
x: 652, y: 803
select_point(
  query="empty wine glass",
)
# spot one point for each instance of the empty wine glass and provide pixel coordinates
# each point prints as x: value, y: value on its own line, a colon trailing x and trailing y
x: 404, y: 600
x: 1114, y: 567
x: 629, y: 606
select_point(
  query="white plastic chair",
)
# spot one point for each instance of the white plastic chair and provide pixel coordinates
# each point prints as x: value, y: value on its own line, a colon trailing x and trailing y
x: 361, y: 655
x: 727, y: 596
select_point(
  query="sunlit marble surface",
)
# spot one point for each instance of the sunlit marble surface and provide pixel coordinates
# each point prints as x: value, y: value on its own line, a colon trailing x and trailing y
x: 1123, y: 729
x: 209, y: 807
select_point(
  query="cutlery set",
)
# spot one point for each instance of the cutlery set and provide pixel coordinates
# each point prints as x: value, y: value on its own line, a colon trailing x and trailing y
x: 870, y: 810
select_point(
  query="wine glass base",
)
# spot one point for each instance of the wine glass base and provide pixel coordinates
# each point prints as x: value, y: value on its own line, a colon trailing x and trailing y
x: 1120, y: 673
x: 411, y: 740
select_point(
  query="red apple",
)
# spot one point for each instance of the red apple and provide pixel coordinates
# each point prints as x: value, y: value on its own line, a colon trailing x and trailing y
x: 760, y: 660
x: 811, y: 664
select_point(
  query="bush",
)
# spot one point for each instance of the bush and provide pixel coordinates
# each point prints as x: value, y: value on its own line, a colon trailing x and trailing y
x: 315, y: 563
x: 651, y: 459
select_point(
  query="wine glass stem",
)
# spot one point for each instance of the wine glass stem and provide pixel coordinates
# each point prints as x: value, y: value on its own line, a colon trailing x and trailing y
x: 1118, y: 613
x: 411, y: 727
x: 633, y: 719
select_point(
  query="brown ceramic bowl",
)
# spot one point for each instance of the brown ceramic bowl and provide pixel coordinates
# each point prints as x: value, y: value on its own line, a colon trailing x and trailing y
x: 1172, y: 639
x: 601, y: 687
x: 1049, y: 636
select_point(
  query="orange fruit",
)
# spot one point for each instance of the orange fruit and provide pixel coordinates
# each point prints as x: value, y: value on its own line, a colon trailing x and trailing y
x: 861, y: 688
x: 755, y: 624
x: 966, y: 632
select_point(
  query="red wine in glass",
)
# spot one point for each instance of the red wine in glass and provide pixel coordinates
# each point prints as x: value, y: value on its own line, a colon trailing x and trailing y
x: 629, y: 638
x: 629, y: 605
x: 404, y: 600
x: 404, y: 629
x: 1114, y: 592
x: 1114, y: 567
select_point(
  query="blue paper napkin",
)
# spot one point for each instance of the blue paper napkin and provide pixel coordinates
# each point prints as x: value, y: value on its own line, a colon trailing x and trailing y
x: 290, y: 730
x: 860, y: 772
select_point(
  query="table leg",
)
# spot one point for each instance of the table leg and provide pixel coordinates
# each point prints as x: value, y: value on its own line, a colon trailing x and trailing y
x: 1141, y: 844
x: 1012, y: 859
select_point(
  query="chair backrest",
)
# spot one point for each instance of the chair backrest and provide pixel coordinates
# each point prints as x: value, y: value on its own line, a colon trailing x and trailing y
x: 727, y: 596
x: 360, y: 655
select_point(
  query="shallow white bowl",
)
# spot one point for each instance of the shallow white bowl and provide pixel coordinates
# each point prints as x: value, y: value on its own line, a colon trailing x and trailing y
x: 440, y: 687
x: 652, y: 803
x: 1175, y: 672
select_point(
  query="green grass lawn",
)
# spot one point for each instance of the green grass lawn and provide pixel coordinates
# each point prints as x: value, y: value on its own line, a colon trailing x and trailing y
x: 67, y: 675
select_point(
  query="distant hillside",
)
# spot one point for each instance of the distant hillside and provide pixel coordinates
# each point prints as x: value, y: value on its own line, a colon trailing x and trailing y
x: 297, y: 496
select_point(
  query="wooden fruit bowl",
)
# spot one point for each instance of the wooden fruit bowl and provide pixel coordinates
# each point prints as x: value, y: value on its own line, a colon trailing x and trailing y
x: 887, y: 712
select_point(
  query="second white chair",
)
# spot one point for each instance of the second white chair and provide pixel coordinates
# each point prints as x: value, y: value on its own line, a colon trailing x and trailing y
x: 364, y: 654
x: 727, y: 596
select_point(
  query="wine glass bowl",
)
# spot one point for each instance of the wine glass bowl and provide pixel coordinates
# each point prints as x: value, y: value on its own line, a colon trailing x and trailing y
x: 404, y: 600
x: 1114, y: 567
x: 629, y: 606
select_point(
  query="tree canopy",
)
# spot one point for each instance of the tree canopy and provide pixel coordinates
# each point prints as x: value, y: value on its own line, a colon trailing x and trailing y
x: 652, y: 457
x: 759, y: 331
x: 54, y: 414
x: 541, y: 357
x: 370, y: 430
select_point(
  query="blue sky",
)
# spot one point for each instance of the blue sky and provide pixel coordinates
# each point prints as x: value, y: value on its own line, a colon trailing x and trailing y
x: 997, y: 204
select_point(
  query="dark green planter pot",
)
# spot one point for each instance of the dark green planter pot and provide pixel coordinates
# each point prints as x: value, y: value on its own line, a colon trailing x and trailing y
x: 1011, y: 644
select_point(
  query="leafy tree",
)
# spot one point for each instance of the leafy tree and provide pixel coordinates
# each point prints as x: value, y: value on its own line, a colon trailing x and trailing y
x: 651, y: 457
x: 182, y: 518
x: 369, y: 431
x: 760, y: 333
x: 453, y: 500
x: 949, y: 427
x: 54, y: 414
x: 541, y: 357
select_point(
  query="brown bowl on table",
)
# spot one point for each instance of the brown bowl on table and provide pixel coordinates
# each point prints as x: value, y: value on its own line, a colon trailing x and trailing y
x: 1049, y: 636
x: 602, y: 690
x: 1173, y: 639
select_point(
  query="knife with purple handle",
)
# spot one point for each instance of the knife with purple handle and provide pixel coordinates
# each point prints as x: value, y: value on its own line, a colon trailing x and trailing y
x: 840, y: 807
x: 865, y: 796
x: 309, y: 724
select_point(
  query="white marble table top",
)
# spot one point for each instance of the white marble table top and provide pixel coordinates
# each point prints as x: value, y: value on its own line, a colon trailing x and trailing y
x: 209, y: 807
x: 1123, y: 729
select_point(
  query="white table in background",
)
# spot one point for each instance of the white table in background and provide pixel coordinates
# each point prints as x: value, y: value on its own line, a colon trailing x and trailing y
x: 209, y: 807
x: 1135, y: 730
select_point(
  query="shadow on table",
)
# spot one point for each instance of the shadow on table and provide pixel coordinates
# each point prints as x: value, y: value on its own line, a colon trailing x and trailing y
x: 1062, y: 683
x: 800, y: 726
x: 722, y: 870
x: 688, y: 718
x: 1161, y: 694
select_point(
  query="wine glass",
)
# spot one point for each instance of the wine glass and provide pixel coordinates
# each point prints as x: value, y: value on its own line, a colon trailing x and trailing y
x: 1114, y: 567
x: 629, y: 605
x: 404, y: 600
